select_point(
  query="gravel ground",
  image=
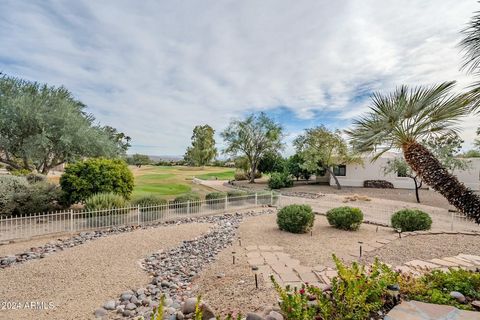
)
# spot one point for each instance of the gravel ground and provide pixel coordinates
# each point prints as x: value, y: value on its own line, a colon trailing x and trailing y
x: 425, y: 247
x: 80, y: 279
x: 21, y: 246
x: 231, y: 288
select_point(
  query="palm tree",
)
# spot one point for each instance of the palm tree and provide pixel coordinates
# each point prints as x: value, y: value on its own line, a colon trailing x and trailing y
x: 405, y: 117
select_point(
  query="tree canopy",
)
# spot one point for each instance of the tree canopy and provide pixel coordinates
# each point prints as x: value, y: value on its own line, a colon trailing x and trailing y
x: 43, y: 126
x: 253, y: 137
x: 321, y: 148
x: 203, y: 150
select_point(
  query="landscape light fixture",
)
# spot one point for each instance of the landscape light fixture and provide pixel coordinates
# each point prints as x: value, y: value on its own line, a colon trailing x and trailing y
x: 255, y: 269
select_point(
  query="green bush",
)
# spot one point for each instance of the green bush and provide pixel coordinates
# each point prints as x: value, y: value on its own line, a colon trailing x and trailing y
x: 85, y: 178
x: 280, y: 180
x: 19, y: 197
x: 296, y: 218
x: 182, y: 200
x: 105, y: 200
x: 20, y: 172
x: 435, y: 287
x: 36, y: 177
x: 356, y: 293
x: 411, y: 220
x: 346, y: 218
x: 149, y: 201
x: 240, y: 176
x: 216, y: 200
x: 237, y: 197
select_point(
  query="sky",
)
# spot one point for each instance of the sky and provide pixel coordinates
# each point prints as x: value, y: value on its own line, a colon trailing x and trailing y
x: 155, y: 69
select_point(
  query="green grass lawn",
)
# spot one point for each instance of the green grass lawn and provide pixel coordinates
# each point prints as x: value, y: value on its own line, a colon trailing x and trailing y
x: 225, y: 175
x: 169, y: 182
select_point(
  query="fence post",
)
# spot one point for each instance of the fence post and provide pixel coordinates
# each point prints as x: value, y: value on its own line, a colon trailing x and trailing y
x: 271, y: 198
x: 71, y: 221
x: 138, y: 214
x: 226, y: 203
x: 451, y: 222
x: 256, y: 198
x: 188, y: 207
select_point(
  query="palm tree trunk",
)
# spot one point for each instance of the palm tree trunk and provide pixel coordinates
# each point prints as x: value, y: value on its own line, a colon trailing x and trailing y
x: 424, y: 163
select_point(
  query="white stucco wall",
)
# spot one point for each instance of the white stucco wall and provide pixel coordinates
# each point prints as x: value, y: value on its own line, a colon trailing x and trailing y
x: 357, y: 174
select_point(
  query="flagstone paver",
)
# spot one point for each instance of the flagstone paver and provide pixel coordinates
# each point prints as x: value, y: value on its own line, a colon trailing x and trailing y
x: 458, y: 262
x: 423, y: 265
x: 415, y: 310
x: 441, y: 262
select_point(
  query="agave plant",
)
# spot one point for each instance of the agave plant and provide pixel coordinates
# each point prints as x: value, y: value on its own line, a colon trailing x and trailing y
x: 404, y: 118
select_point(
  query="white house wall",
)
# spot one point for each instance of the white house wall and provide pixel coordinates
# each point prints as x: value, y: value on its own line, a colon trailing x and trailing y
x: 356, y: 174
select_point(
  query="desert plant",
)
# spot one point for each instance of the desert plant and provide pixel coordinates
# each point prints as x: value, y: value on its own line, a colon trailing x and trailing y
x: 240, y: 176
x: 236, y: 197
x: 346, y: 218
x: 216, y: 200
x: 149, y: 201
x: 105, y: 200
x: 36, y: 177
x: 435, y: 287
x: 184, y: 201
x: 280, y: 180
x: 411, y: 220
x: 405, y: 118
x: 356, y: 293
x: 96, y: 175
x: 296, y: 218
x: 20, y: 172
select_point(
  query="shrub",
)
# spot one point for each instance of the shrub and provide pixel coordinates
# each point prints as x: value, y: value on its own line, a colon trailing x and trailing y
x: 216, y: 200
x: 240, y: 176
x: 20, y: 172
x: 346, y: 218
x: 295, y: 218
x: 280, y: 180
x: 182, y: 200
x: 36, y: 177
x: 149, y: 201
x: 356, y: 293
x: 105, y: 200
x: 435, y: 287
x: 17, y: 196
x: 85, y: 178
x: 236, y: 197
x: 383, y: 184
x: 411, y: 220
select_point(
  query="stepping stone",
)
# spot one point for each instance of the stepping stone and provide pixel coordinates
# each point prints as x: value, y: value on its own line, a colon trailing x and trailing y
x: 384, y: 241
x: 319, y: 268
x: 251, y: 248
x: 375, y: 245
x: 474, y: 259
x: 465, y: 259
x: 282, y: 255
x: 458, y: 262
x: 289, y: 276
x: 280, y: 268
x: 265, y: 270
x: 405, y: 269
x: 290, y: 262
x: 441, y: 262
x: 253, y: 254
x: 309, y: 277
x: 265, y: 248
x: 256, y: 262
x: 415, y: 310
x: 422, y: 265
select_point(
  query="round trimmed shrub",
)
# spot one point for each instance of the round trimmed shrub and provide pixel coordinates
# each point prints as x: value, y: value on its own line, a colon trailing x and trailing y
x: 411, y: 220
x: 296, y: 218
x: 345, y: 218
x: 240, y: 176
x: 280, y: 180
x: 83, y: 179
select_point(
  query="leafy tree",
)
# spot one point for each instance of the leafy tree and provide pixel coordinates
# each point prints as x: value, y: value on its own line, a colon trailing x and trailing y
x: 295, y: 167
x: 272, y: 162
x: 403, y: 119
x: 400, y: 167
x: 42, y: 127
x: 253, y: 138
x: 321, y: 148
x: 139, y: 160
x: 471, y: 154
x: 202, y: 151
x: 96, y: 175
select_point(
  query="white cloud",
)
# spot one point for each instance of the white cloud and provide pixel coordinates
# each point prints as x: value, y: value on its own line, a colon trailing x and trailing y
x: 155, y: 69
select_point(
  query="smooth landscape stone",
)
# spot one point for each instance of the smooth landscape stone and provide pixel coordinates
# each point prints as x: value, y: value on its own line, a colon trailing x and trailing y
x: 100, y: 312
x: 254, y: 316
x: 458, y: 296
x: 109, y: 305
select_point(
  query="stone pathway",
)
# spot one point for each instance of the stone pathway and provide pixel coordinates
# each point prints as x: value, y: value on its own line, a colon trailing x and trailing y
x: 415, y: 310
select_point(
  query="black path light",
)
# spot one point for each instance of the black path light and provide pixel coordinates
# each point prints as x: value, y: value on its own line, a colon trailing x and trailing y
x: 255, y: 270
x: 233, y: 255
x: 394, y: 291
x: 360, y: 242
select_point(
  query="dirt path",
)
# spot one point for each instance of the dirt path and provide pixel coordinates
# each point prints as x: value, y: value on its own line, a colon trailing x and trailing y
x: 80, y: 279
